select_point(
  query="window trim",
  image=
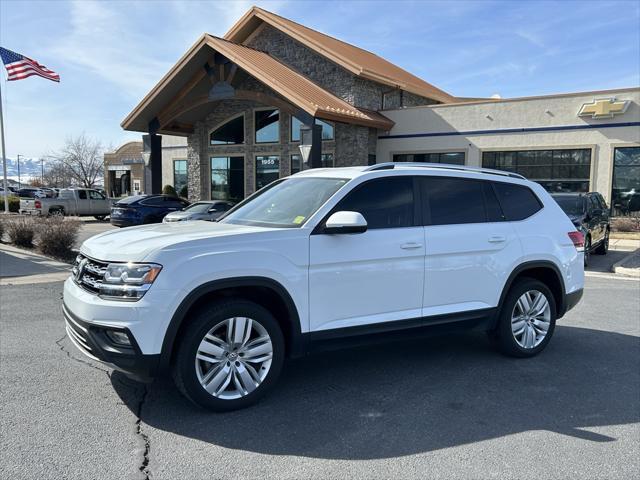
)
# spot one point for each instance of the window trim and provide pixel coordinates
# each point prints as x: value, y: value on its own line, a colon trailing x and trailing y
x: 255, y: 130
x: 223, y: 123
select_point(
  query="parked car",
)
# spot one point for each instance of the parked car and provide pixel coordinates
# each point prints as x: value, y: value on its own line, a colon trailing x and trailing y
x: 8, y: 192
x: 328, y: 255
x: 70, y: 201
x: 208, y: 210
x: 590, y: 214
x: 144, y: 209
x: 30, y: 192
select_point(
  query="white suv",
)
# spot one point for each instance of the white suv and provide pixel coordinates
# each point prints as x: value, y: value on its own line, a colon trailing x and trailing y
x: 322, y: 255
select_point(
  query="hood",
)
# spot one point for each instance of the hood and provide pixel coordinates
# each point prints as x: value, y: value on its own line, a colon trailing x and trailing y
x: 133, y: 244
x: 175, y: 216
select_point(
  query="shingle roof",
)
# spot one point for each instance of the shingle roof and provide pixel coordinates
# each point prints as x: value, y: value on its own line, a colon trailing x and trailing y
x: 358, y: 61
x: 294, y: 87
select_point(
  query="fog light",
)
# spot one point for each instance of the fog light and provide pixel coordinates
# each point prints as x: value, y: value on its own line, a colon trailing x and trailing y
x: 117, y: 337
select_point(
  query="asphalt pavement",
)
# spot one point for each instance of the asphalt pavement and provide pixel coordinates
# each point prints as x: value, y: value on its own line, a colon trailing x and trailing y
x: 445, y: 407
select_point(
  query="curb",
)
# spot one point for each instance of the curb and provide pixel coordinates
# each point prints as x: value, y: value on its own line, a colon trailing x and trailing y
x: 619, y: 269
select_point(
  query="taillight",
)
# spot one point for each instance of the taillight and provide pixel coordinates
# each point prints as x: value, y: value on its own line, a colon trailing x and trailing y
x: 38, y: 204
x: 577, y: 238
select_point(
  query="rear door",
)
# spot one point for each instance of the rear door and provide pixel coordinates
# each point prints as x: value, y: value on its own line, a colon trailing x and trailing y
x: 470, y: 248
x: 375, y: 276
x: 83, y: 203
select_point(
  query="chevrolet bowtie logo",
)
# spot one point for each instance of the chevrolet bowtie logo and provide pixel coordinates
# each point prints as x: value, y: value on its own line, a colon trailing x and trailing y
x: 603, y: 108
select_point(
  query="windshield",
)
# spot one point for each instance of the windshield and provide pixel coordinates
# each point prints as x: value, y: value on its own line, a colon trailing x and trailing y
x: 199, y: 207
x: 573, y: 205
x: 286, y: 204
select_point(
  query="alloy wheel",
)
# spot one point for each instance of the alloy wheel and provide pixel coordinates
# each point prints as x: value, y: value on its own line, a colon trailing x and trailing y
x: 531, y: 319
x: 234, y: 358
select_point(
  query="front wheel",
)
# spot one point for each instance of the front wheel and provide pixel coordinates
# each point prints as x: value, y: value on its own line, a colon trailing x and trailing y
x: 100, y: 218
x: 230, y: 355
x: 527, y: 319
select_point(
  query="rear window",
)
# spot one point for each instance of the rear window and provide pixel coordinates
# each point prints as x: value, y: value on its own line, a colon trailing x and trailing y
x: 130, y: 200
x: 517, y: 201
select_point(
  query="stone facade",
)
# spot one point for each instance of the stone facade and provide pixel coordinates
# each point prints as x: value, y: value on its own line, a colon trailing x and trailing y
x: 352, y: 144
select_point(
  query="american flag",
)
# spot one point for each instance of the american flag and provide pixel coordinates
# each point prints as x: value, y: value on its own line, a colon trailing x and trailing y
x: 20, y: 67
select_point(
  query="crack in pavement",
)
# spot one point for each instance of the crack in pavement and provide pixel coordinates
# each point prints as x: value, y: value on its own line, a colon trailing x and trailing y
x: 143, y: 437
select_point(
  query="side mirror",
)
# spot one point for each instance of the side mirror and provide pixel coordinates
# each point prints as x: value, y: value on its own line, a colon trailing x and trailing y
x: 345, y: 222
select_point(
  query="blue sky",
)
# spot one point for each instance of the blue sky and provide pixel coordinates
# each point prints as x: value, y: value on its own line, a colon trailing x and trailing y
x: 110, y: 53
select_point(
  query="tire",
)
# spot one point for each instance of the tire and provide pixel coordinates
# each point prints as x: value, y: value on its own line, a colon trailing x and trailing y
x: 587, y: 250
x: 247, y: 380
x: 100, y: 218
x: 603, y: 248
x: 526, y: 344
x: 56, y: 212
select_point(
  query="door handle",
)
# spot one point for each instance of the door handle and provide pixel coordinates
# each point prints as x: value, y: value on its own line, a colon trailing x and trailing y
x: 410, y: 246
x: 497, y: 239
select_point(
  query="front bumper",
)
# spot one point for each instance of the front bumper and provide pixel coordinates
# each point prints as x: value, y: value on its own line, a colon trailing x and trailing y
x: 93, y: 341
x: 125, y: 221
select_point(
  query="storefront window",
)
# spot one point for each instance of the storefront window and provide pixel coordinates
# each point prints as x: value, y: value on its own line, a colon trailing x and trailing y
x: 455, y: 158
x: 296, y: 163
x: 625, y: 194
x: 555, y: 170
x: 267, y: 170
x: 179, y: 177
x: 267, y: 126
x: 227, y: 178
x: 231, y: 133
x: 327, y: 129
x: 326, y: 160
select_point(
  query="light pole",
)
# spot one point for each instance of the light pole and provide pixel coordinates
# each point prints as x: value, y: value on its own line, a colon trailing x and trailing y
x: 42, y: 171
x: 19, y: 183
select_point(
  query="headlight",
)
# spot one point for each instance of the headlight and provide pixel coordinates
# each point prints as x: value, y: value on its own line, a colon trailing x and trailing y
x: 128, y: 281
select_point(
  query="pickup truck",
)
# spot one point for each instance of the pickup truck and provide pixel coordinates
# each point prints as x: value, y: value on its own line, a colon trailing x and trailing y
x: 70, y: 201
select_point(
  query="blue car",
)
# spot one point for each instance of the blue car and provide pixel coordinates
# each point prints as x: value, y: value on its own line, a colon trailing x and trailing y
x: 143, y: 209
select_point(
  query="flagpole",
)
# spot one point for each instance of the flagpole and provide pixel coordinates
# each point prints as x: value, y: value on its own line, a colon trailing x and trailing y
x: 4, y: 156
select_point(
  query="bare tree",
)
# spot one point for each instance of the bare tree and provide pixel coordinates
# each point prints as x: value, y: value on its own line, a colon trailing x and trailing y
x: 82, y: 159
x: 56, y: 173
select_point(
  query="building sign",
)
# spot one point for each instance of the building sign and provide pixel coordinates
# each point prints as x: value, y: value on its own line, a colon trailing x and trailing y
x: 603, y: 108
x: 116, y: 168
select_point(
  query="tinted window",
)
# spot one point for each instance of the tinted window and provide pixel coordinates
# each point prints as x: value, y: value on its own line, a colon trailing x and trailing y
x: 154, y: 202
x: 572, y: 205
x: 267, y: 124
x: 458, y: 200
x: 230, y: 133
x: 95, y: 195
x: 129, y: 200
x: 384, y: 203
x: 518, y: 202
x: 82, y: 194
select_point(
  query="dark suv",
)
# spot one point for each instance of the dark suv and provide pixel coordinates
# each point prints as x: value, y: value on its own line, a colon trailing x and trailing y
x: 144, y: 209
x: 590, y: 214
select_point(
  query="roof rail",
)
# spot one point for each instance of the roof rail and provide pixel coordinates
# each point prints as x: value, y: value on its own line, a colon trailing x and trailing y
x: 443, y: 166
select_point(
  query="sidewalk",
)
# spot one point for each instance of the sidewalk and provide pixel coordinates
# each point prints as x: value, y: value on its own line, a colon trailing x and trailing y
x: 18, y: 267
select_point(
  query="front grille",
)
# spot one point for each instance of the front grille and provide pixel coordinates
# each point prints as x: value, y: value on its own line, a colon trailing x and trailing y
x: 89, y: 273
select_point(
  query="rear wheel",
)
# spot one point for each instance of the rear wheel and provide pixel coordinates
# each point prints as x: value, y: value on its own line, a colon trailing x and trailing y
x: 603, y: 248
x: 230, y: 355
x: 56, y: 212
x: 527, y: 319
x: 100, y: 218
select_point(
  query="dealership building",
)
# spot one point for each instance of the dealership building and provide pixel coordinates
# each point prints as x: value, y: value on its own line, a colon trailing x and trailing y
x: 273, y: 97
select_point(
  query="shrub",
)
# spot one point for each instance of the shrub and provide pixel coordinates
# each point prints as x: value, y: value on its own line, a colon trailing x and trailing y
x: 625, y: 224
x: 57, y: 236
x: 184, y: 192
x: 21, y: 230
x: 14, y: 203
x: 169, y: 190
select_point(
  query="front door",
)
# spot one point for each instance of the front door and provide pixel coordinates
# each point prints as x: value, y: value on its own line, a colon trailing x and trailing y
x: 375, y: 276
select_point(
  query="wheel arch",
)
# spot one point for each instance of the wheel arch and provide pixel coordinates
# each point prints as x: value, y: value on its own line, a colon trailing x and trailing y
x: 264, y: 291
x: 545, y: 271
